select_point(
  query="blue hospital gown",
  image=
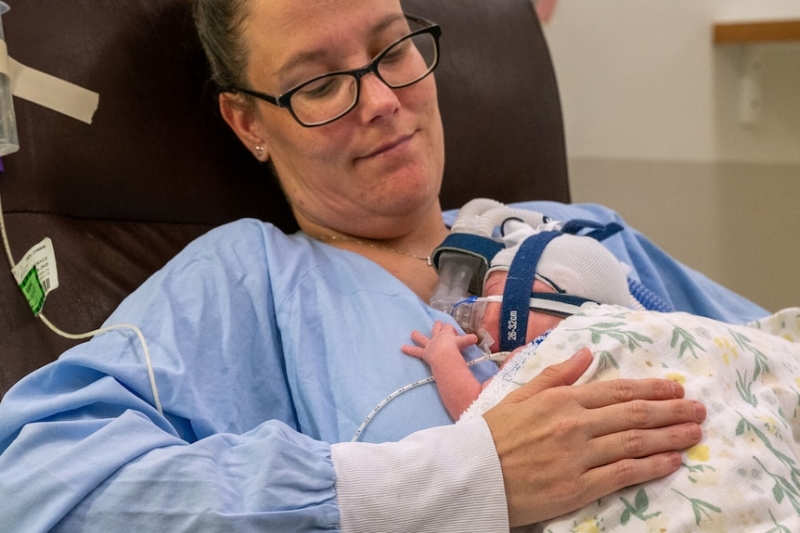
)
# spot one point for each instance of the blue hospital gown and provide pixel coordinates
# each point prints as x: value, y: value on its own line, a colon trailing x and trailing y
x: 267, y: 349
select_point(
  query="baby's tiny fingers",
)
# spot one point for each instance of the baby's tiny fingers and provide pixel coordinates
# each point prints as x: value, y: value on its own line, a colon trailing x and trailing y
x: 419, y: 338
x: 413, y: 351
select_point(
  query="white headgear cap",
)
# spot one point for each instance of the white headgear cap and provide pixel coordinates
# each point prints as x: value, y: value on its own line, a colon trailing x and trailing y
x: 577, y: 265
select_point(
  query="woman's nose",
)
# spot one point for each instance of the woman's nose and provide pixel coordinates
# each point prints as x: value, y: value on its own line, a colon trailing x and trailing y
x: 376, y: 98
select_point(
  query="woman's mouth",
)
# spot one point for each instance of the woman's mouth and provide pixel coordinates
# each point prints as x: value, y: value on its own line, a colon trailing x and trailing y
x: 390, y: 147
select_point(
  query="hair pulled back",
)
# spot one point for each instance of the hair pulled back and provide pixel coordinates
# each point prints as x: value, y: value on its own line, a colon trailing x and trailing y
x: 220, y: 24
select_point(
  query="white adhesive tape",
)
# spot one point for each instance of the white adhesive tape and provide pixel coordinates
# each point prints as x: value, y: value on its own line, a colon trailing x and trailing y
x: 48, y: 91
x: 3, y: 57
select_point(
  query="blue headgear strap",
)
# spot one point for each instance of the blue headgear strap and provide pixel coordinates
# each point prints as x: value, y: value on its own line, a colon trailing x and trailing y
x: 484, y: 248
x: 522, y: 271
x: 600, y: 232
x: 517, y: 293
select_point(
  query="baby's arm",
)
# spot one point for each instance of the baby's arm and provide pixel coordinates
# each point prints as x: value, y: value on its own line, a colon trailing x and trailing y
x: 442, y: 351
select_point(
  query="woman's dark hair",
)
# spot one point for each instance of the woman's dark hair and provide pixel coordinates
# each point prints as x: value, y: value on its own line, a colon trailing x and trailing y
x: 219, y: 25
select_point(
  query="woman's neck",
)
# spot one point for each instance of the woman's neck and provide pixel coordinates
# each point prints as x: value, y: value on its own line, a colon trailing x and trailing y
x: 406, y: 257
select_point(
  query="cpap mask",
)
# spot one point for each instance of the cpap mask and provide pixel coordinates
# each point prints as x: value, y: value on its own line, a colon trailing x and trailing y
x: 588, y: 271
x: 470, y: 312
x: 463, y: 258
x: 578, y: 267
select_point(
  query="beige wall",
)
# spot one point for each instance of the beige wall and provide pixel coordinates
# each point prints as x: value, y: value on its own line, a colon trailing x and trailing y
x: 738, y: 223
x: 652, y: 126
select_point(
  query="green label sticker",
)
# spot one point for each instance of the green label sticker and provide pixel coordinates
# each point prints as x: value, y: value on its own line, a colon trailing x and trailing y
x: 33, y: 290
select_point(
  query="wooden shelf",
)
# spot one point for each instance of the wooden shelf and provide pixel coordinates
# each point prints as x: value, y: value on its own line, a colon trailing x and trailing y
x: 757, y: 32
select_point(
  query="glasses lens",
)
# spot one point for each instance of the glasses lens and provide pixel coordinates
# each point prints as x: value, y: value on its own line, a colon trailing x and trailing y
x: 408, y: 60
x: 324, y: 98
x: 328, y: 97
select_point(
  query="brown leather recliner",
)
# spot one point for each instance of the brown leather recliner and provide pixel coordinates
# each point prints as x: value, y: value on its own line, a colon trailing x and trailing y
x: 157, y: 167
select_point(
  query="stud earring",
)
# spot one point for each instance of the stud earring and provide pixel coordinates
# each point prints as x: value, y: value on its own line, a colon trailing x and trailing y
x: 259, y: 151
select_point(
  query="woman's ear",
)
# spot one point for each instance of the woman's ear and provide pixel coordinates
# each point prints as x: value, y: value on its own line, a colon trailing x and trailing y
x: 242, y: 117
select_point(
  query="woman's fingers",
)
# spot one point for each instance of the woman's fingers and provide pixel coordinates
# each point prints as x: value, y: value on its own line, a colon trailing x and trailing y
x: 561, y: 447
x: 602, y: 480
x: 565, y: 373
x: 603, y: 393
x: 642, y: 413
x: 638, y: 443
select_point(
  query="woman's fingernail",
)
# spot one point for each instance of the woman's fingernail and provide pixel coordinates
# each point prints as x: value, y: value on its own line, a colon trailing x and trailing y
x: 699, y: 411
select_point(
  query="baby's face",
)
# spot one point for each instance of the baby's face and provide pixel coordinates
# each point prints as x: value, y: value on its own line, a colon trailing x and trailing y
x: 538, y: 322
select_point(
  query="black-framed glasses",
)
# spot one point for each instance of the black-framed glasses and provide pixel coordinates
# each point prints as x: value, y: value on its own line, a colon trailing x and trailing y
x: 323, y: 99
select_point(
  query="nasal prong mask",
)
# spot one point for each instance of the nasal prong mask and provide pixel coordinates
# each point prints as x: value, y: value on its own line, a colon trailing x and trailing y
x: 469, y: 313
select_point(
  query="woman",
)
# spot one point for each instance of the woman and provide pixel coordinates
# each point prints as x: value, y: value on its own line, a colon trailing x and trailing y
x: 269, y: 350
x: 374, y: 173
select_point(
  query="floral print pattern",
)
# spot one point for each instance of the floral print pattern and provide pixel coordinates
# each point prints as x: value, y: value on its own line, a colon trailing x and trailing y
x: 744, y: 476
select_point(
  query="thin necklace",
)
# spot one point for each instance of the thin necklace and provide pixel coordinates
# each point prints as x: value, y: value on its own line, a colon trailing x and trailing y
x: 331, y: 238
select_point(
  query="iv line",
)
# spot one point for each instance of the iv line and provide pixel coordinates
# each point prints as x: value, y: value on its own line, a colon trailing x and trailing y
x: 499, y: 356
x: 80, y: 336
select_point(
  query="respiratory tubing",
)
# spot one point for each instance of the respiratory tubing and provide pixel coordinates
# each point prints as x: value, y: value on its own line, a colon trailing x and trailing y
x: 482, y: 215
x: 461, y: 267
x: 80, y: 336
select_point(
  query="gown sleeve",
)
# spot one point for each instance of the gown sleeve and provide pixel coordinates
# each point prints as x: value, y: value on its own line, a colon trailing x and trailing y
x: 82, y: 447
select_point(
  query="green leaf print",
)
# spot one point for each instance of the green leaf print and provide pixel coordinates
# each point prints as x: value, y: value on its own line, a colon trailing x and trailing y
x: 688, y: 341
x: 782, y: 488
x: 699, y: 507
x: 743, y: 386
x: 606, y: 360
x: 777, y: 493
x: 614, y: 330
x: 640, y: 504
x: 779, y: 528
x: 745, y: 424
x: 697, y: 468
x: 761, y: 359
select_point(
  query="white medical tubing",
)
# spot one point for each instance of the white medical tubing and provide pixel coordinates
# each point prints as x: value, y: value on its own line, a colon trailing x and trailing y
x: 6, y: 246
x: 468, y: 220
x: 482, y: 215
x: 106, y: 329
x: 499, y: 356
x: 79, y: 336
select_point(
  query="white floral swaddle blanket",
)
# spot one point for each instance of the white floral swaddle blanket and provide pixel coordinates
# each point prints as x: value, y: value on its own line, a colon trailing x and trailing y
x: 744, y: 476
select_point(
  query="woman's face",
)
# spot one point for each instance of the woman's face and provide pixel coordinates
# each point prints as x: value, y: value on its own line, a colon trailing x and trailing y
x: 380, y: 163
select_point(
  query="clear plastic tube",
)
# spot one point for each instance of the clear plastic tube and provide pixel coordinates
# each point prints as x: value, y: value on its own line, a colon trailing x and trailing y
x: 455, y: 274
x: 458, y: 270
x: 9, y: 142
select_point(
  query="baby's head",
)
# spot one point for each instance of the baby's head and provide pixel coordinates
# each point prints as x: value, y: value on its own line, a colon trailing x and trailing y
x: 570, y: 264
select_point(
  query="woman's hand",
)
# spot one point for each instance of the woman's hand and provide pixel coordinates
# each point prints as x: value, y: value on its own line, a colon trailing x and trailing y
x: 562, y: 447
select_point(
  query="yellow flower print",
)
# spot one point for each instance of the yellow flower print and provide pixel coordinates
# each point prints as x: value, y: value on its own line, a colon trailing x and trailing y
x: 770, y: 424
x: 680, y: 378
x: 590, y: 525
x: 728, y: 349
x: 698, y: 452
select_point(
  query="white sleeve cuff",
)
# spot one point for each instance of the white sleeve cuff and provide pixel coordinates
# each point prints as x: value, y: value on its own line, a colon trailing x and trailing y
x: 439, y: 480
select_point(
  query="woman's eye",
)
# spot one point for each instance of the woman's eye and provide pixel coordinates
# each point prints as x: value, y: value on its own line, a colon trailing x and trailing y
x: 319, y: 88
x: 397, y: 52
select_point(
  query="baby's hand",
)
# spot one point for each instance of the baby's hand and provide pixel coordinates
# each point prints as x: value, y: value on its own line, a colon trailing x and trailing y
x: 444, y: 339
